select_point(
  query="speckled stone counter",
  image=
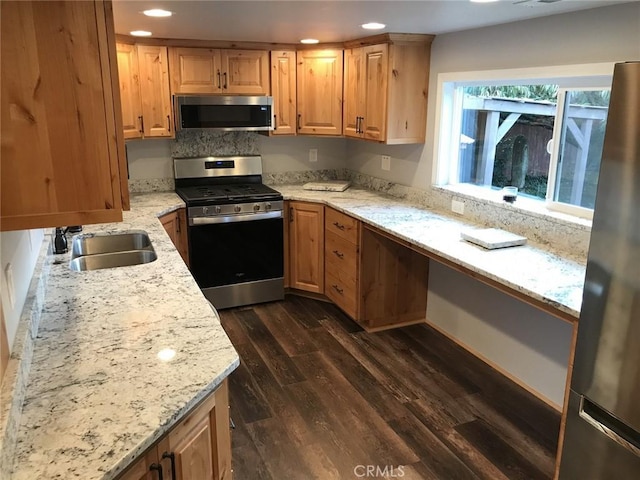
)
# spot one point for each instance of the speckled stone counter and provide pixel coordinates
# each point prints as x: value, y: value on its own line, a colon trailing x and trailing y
x: 530, y: 270
x: 98, y: 394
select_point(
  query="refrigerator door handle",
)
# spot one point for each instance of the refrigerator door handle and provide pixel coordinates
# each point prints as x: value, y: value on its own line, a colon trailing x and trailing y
x: 606, y: 423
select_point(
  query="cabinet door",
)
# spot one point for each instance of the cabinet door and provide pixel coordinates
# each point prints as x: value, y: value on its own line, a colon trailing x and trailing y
x: 154, y: 87
x: 62, y: 142
x: 175, y: 224
x: 319, y: 77
x: 245, y: 72
x: 283, y: 90
x: 195, y: 70
x: 129, y: 81
x: 353, y: 85
x: 374, y: 92
x: 306, y: 243
x: 201, y: 443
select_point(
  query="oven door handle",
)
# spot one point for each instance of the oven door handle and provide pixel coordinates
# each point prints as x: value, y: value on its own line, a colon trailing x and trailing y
x: 247, y: 217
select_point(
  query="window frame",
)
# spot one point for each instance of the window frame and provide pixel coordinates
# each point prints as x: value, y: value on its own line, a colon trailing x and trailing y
x: 445, y: 172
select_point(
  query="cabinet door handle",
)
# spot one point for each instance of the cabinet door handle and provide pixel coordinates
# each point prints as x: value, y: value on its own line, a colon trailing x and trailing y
x: 361, y: 124
x: 219, y: 83
x: 157, y: 468
x: 172, y: 457
x: 141, y: 124
x: 299, y: 118
x: 337, y: 289
x: 275, y: 122
x: 225, y: 80
x: 338, y: 254
x: 168, y: 123
x: 339, y: 226
x: 178, y: 229
x: 291, y: 214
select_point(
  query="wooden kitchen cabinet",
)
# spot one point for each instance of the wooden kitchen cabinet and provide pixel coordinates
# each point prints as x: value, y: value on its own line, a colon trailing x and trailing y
x: 283, y: 91
x: 144, y: 91
x: 386, y: 83
x: 342, y: 261
x: 63, y: 160
x: 199, y: 447
x: 393, y: 282
x: 209, y: 71
x: 175, y: 224
x: 319, y: 92
x: 306, y: 246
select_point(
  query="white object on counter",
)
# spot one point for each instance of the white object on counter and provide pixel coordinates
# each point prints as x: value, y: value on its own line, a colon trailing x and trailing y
x: 328, y: 185
x: 491, y: 238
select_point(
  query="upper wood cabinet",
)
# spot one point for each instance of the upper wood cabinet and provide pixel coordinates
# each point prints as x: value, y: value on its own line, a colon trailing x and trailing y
x: 213, y: 71
x: 62, y: 160
x: 386, y: 88
x: 144, y: 91
x: 306, y: 246
x: 319, y: 79
x: 283, y: 91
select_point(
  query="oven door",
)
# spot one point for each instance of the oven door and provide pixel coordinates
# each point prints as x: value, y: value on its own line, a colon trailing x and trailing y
x: 238, y: 262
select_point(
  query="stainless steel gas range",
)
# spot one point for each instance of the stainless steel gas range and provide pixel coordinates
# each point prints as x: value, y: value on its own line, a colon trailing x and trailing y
x: 235, y: 229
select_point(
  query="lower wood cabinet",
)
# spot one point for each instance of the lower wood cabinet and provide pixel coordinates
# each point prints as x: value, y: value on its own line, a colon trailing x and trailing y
x: 198, y: 448
x: 306, y: 246
x: 175, y: 223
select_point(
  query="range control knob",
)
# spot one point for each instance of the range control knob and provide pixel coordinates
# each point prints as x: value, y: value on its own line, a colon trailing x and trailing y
x: 256, y: 207
x: 267, y: 206
x: 237, y: 208
x: 218, y: 209
x: 205, y: 210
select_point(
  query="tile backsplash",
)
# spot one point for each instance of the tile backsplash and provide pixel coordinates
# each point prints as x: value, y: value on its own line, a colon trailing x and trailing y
x: 200, y: 143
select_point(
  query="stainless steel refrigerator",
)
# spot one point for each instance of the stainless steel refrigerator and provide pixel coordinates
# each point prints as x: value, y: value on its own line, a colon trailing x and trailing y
x: 602, y: 437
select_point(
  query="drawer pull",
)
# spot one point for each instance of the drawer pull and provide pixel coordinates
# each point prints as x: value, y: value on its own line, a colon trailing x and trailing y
x: 157, y: 468
x: 337, y: 289
x: 339, y: 226
x: 171, y: 456
x: 338, y: 254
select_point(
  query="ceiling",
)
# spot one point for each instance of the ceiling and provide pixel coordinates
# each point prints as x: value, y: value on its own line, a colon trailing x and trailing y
x: 329, y: 21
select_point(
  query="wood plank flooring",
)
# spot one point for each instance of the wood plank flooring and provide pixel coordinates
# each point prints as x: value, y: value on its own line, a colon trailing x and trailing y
x: 316, y: 397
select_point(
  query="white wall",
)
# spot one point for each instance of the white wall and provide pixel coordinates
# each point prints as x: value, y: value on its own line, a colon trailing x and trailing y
x: 529, y: 344
x: 20, y: 249
x: 151, y: 158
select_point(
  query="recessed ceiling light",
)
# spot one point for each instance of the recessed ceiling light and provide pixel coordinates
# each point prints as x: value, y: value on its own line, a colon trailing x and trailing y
x: 140, y: 33
x: 373, y: 26
x: 309, y: 40
x: 157, y: 12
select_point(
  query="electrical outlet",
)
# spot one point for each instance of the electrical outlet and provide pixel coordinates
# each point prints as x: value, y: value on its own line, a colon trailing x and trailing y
x: 457, y: 207
x: 386, y: 162
x: 313, y: 154
x: 11, y: 291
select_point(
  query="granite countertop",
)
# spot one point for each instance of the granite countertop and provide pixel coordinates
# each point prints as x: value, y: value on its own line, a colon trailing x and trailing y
x: 98, y: 395
x: 530, y: 269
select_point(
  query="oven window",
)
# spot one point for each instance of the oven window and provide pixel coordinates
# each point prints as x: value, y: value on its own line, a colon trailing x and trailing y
x: 230, y: 253
x: 225, y: 116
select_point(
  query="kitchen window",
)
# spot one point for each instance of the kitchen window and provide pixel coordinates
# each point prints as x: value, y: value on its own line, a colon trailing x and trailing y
x: 542, y: 134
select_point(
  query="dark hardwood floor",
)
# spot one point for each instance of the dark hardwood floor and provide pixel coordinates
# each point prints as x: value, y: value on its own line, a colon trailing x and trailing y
x: 316, y: 397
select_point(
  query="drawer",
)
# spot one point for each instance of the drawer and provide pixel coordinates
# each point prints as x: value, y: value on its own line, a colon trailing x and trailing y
x: 342, y: 293
x: 339, y: 254
x: 342, y: 225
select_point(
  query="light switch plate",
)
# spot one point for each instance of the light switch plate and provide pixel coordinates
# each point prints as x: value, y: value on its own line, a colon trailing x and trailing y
x: 457, y: 207
x: 11, y: 291
x: 386, y: 162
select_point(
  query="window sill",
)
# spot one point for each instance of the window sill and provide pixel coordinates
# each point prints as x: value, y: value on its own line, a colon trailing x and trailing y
x: 523, y: 205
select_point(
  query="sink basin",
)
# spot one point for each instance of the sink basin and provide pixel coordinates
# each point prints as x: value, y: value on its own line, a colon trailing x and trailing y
x: 92, y: 244
x: 94, y: 252
x: 112, y: 260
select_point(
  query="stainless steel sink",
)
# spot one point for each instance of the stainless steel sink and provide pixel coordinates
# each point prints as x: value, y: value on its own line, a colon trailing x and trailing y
x: 94, y: 252
x: 92, y: 244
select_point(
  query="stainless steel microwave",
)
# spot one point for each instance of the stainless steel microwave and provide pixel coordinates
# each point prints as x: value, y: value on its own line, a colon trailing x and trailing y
x: 225, y: 113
